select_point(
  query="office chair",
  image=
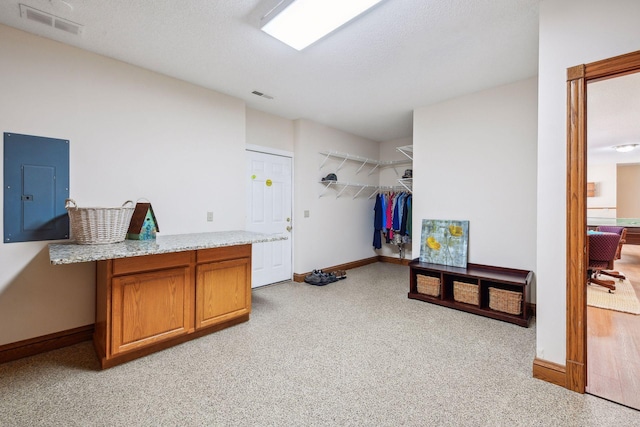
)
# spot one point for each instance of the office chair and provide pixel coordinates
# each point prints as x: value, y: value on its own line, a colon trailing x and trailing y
x: 602, y: 252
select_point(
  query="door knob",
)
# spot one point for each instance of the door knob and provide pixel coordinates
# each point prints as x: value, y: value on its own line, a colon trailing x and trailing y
x: 289, y: 228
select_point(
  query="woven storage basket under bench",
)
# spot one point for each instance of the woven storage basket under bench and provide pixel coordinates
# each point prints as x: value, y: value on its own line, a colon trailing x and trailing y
x: 428, y: 285
x: 496, y: 292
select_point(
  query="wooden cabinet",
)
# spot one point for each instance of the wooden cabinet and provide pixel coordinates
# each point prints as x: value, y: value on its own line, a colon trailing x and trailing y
x: 147, y: 303
x: 223, y: 288
x: 149, y: 307
x: 496, y: 292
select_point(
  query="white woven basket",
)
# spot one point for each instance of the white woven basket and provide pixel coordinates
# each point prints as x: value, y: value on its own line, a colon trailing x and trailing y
x: 95, y: 226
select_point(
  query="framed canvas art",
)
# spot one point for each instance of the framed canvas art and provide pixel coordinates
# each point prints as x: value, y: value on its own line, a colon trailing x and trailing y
x: 444, y: 242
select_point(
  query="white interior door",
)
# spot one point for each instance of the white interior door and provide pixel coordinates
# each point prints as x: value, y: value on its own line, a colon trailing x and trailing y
x: 269, y: 211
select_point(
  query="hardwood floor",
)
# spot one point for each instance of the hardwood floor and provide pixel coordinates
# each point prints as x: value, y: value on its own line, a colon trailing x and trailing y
x: 613, y: 343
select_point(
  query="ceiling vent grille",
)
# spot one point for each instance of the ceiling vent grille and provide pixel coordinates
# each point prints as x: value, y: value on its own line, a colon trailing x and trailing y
x: 31, y: 14
x: 263, y: 95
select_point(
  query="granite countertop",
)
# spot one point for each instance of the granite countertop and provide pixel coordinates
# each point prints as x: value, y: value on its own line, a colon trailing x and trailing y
x: 70, y: 253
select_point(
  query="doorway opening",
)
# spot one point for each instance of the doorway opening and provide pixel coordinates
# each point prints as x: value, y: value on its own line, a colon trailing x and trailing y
x: 269, y: 211
x: 577, y: 79
x: 613, y: 176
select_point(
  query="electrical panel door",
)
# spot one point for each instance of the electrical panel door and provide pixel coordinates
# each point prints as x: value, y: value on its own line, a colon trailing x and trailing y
x: 36, y: 185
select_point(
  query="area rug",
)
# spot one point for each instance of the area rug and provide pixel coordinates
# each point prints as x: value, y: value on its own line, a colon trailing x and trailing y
x: 623, y: 299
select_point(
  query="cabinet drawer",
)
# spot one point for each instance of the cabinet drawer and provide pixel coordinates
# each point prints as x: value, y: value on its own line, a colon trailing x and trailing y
x: 224, y: 253
x: 151, y: 262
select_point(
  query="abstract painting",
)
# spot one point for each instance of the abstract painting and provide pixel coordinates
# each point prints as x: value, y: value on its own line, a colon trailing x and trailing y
x: 444, y: 242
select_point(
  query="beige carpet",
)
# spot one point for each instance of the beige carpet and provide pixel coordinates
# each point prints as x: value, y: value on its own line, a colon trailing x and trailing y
x: 354, y: 353
x: 623, y: 299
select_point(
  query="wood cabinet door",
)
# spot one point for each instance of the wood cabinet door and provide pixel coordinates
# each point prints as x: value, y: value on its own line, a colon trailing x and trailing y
x: 150, y: 307
x: 223, y: 291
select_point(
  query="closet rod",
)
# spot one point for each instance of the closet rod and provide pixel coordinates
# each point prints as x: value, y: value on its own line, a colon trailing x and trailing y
x: 397, y: 189
x: 362, y: 187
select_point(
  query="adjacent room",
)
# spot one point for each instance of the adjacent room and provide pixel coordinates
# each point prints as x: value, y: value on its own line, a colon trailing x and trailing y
x: 612, y: 205
x: 382, y: 224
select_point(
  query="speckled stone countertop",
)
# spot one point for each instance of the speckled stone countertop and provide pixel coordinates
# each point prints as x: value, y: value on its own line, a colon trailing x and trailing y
x: 70, y: 253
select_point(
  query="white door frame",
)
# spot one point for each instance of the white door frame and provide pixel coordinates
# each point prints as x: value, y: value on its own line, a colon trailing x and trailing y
x: 283, y: 153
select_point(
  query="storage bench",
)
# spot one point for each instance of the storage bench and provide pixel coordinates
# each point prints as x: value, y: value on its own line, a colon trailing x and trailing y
x: 496, y: 292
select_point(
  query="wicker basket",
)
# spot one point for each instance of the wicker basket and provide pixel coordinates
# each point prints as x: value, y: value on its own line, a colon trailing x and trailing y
x: 93, y: 226
x: 466, y: 293
x: 428, y: 285
x: 505, y: 301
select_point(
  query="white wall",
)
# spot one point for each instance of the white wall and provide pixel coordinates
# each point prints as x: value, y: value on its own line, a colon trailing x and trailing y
x: 389, y: 177
x: 572, y: 32
x: 268, y: 130
x: 133, y: 133
x: 628, y: 185
x: 338, y: 230
x: 603, y: 204
x: 474, y: 159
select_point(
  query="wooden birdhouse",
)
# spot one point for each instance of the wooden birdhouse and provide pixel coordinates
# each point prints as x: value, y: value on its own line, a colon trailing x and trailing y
x: 143, y: 225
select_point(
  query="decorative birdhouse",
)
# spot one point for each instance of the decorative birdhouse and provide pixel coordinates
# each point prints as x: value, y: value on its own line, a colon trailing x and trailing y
x: 143, y: 225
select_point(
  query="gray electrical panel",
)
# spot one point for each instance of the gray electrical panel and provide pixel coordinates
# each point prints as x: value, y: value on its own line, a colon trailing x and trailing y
x: 36, y: 185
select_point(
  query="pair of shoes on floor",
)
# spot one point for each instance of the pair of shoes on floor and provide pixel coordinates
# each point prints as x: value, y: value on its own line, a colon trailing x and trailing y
x: 320, y: 278
x: 340, y: 274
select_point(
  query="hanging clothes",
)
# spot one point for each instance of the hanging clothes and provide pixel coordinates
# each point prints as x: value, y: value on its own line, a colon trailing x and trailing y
x: 377, y: 223
x: 405, y: 216
x: 402, y: 199
x: 389, y: 224
x: 383, y: 203
x: 396, y: 212
x: 409, y: 219
x: 392, y: 216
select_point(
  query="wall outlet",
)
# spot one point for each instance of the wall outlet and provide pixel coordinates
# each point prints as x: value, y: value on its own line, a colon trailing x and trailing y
x: 210, y: 216
x: 306, y: 214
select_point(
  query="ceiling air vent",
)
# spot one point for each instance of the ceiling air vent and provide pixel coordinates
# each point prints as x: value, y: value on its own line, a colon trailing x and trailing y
x: 27, y: 12
x: 263, y: 95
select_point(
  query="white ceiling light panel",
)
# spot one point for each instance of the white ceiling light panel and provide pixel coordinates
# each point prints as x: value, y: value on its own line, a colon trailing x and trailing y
x: 300, y: 23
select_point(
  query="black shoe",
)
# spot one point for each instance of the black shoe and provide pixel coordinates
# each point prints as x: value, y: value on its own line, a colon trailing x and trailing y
x: 313, y: 279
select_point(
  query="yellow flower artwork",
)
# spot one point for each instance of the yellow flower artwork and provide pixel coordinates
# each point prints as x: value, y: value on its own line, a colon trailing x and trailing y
x: 433, y: 243
x: 455, y: 230
x: 444, y: 242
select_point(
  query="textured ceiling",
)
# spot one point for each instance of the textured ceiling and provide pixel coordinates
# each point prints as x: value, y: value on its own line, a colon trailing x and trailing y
x: 365, y: 78
x: 613, y: 107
